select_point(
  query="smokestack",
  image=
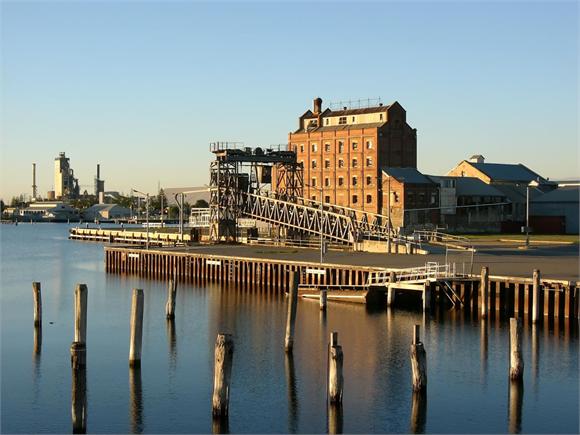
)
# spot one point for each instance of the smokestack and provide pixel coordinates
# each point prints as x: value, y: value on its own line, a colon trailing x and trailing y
x: 98, y: 171
x: 34, y: 181
x: 317, y: 105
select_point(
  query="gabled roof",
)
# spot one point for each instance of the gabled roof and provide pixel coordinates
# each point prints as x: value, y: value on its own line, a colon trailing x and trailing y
x: 362, y: 111
x: 407, y: 175
x: 507, y: 172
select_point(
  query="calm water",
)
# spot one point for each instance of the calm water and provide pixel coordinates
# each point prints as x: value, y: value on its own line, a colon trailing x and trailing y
x: 468, y: 388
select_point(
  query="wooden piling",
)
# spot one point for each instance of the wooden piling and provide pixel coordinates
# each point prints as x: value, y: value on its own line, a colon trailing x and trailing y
x: 418, y: 362
x: 335, y: 378
x: 427, y: 296
x: 37, y: 298
x: 170, y: 304
x: 484, y: 290
x: 323, y: 300
x: 292, y: 305
x: 536, y: 296
x: 79, y: 387
x: 224, y: 349
x: 516, y: 359
x: 418, y: 412
x: 136, y: 328
x: 81, y: 313
x: 516, y: 394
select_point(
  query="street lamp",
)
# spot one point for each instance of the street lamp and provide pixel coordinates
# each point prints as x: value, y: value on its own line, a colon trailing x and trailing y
x: 146, y: 214
x: 321, y: 190
x: 532, y: 183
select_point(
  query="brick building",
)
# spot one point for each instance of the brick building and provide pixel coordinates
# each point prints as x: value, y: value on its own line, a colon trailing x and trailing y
x: 343, y: 150
x: 414, y: 198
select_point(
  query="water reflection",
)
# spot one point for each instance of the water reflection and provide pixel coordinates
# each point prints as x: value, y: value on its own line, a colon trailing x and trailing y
x: 418, y: 412
x: 483, y: 333
x: 220, y: 425
x: 79, y: 400
x: 516, y: 398
x: 335, y: 418
x: 172, y: 340
x: 535, y: 350
x: 136, y: 398
x: 292, y: 394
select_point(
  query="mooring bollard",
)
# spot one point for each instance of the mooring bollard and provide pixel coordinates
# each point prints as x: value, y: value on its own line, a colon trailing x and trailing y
x: 292, y: 304
x: 323, y: 300
x: 335, y: 378
x: 484, y: 285
x: 418, y: 361
x: 36, y: 296
x: 536, y: 296
x: 170, y: 305
x: 136, y: 328
x: 516, y: 359
x: 224, y: 350
x: 81, y: 313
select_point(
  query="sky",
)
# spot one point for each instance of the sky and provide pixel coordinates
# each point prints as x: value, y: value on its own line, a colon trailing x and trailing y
x: 143, y: 87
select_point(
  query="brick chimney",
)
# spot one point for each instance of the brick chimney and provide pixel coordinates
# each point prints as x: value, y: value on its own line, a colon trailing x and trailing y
x: 317, y: 105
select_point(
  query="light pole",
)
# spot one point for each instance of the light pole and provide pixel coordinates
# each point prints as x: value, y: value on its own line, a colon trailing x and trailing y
x: 532, y: 183
x: 321, y: 208
x: 146, y: 215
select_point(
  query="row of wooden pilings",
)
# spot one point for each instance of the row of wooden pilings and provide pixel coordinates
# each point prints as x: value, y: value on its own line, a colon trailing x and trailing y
x: 501, y: 296
x: 223, y: 354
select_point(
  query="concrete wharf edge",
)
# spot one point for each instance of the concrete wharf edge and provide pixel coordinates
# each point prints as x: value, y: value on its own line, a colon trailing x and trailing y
x: 507, y: 295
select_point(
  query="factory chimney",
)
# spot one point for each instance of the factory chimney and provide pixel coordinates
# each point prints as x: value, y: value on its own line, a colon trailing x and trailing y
x: 98, y: 171
x: 34, y: 192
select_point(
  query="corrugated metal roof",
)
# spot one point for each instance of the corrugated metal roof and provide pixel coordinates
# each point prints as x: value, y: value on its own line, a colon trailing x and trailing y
x: 407, y: 175
x: 561, y: 194
x: 507, y: 172
x: 471, y: 186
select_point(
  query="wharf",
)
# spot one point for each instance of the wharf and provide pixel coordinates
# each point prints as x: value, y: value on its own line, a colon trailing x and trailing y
x: 346, y: 274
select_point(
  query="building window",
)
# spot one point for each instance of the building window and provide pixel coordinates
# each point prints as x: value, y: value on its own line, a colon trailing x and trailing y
x: 327, y: 182
x: 354, y: 181
x: 381, y: 116
x: 327, y: 163
x: 314, y: 147
x: 313, y: 198
x: 353, y: 119
x: 327, y: 199
x: 340, y: 181
x: 354, y: 199
x: 342, y: 120
x: 313, y: 165
x: 313, y: 182
x: 369, y: 181
x: 301, y: 148
x: 369, y: 199
x: 354, y: 146
x: 340, y: 163
x: 327, y: 147
x: 369, y: 144
x: 369, y: 161
x: 354, y: 163
x: 326, y: 121
x: 340, y: 146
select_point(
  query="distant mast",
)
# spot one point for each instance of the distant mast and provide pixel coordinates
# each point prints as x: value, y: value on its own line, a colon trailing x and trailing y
x: 34, y: 192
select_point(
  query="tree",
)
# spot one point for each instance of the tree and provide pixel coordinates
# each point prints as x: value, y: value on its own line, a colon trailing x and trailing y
x: 18, y: 201
x: 200, y: 203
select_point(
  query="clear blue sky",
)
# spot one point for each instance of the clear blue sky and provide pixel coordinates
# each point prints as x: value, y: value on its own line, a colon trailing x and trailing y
x: 143, y: 87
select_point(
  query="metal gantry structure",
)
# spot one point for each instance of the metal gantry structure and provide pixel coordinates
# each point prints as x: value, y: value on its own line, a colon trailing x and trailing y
x: 238, y: 171
x: 267, y: 184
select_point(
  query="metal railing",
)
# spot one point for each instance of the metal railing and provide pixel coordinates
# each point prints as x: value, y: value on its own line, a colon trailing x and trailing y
x: 442, y: 238
x: 431, y: 271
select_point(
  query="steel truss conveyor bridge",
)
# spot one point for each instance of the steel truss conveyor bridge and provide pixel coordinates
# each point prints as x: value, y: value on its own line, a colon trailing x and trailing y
x: 267, y: 185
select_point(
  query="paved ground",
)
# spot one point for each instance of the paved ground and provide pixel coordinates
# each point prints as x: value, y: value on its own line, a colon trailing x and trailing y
x: 554, y: 261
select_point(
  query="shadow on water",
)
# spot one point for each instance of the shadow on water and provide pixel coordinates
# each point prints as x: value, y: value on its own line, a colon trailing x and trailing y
x: 292, y: 394
x: 136, y: 398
